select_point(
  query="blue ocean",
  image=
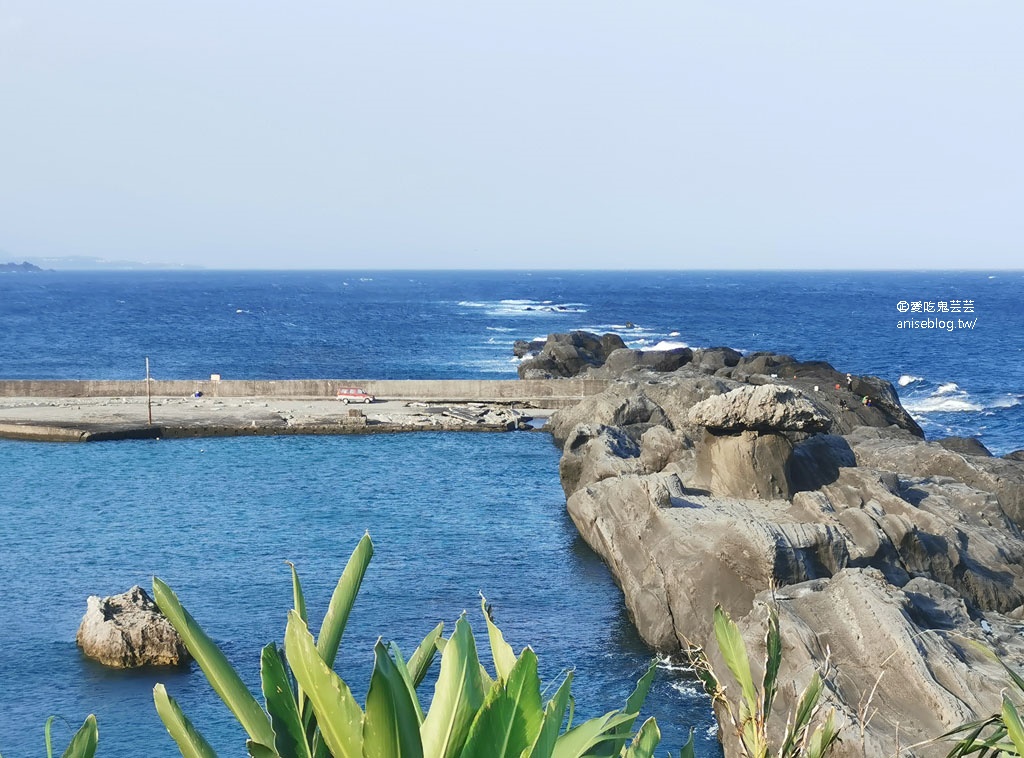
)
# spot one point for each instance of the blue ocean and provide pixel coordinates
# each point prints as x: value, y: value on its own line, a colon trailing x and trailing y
x: 451, y: 515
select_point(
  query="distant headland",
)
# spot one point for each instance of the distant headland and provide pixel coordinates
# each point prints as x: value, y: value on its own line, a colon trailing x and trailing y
x: 19, y: 268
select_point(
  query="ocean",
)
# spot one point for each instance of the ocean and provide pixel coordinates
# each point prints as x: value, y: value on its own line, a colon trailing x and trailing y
x: 451, y: 515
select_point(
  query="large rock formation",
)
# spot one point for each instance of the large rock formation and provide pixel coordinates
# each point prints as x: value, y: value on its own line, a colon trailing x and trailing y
x: 883, y: 553
x: 128, y: 631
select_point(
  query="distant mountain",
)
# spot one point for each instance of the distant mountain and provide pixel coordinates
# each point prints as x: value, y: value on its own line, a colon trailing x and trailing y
x: 18, y: 268
x: 88, y: 263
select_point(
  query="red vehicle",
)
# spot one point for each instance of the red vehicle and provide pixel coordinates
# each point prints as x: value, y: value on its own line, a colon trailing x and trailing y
x: 354, y: 395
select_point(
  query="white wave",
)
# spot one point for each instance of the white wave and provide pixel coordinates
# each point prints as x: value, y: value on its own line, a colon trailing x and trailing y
x: 515, y: 307
x: 908, y: 379
x: 668, y: 345
x: 947, y: 388
x: 673, y: 663
x: 1009, y: 401
x: 499, y: 328
x: 942, y: 404
x: 687, y: 687
x: 673, y: 334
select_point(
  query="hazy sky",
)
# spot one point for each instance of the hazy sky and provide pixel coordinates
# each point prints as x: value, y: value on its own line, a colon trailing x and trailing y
x: 672, y: 134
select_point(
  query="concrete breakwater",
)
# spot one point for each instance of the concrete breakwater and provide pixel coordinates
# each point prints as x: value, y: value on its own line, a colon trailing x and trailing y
x: 84, y: 411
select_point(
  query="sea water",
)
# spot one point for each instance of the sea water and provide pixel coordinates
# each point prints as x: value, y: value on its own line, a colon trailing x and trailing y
x: 426, y: 325
x: 452, y: 515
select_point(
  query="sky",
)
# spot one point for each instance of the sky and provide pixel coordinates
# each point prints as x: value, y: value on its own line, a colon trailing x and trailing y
x: 527, y: 135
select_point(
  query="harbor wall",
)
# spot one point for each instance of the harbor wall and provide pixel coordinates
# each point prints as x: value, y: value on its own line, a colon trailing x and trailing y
x: 548, y: 393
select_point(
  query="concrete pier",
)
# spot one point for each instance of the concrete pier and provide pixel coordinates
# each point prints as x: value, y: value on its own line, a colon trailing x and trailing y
x: 96, y: 410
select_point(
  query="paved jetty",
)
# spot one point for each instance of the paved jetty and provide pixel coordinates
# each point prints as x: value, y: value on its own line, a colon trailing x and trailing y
x: 65, y: 411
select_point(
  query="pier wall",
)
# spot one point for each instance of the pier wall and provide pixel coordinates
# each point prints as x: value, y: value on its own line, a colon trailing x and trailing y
x: 548, y: 393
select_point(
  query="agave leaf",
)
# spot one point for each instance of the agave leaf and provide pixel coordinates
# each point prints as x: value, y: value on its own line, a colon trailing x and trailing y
x: 257, y: 750
x: 342, y: 600
x: 633, y: 705
x: 646, y: 740
x: 501, y: 651
x: 580, y: 740
x: 687, y: 751
x: 734, y: 652
x: 772, y: 660
x: 511, y: 717
x: 222, y: 677
x: 46, y: 735
x: 298, y: 598
x: 407, y: 680
x: 83, y: 744
x: 290, y: 733
x: 392, y: 724
x: 458, y: 695
x: 804, y: 712
x: 423, y: 656
x: 1014, y: 726
x: 823, y: 737
x: 190, y: 742
x: 554, y: 715
x: 339, y: 717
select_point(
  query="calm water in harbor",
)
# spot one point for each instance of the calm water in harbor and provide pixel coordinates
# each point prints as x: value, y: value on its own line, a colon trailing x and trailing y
x: 450, y: 514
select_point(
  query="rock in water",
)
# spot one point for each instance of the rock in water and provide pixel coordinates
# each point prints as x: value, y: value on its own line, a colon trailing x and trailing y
x: 128, y: 631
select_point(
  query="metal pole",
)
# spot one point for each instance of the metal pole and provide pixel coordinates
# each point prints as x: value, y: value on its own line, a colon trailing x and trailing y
x: 149, y: 394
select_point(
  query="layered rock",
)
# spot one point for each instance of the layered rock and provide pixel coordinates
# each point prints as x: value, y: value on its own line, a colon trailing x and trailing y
x: 708, y: 486
x: 129, y: 631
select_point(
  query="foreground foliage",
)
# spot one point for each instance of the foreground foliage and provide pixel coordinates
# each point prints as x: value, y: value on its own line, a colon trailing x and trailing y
x: 750, y: 713
x: 82, y: 745
x: 1001, y: 734
x: 310, y: 712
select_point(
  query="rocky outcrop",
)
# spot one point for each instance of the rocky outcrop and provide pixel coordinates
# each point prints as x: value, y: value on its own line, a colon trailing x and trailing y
x: 882, y: 552
x: 570, y: 354
x: 766, y: 408
x: 129, y: 631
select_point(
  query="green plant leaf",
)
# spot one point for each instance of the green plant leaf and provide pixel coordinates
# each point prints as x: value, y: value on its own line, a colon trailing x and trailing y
x: 222, y: 677
x: 392, y: 724
x: 339, y: 717
x: 342, y: 600
x: 83, y: 744
x: 580, y: 740
x: 772, y: 660
x: 256, y: 750
x: 805, y: 708
x: 511, y: 717
x: 688, y: 750
x: 290, y: 733
x: 190, y: 742
x: 46, y: 736
x: 646, y: 741
x: 407, y: 679
x: 458, y: 695
x: 823, y: 737
x: 298, y: 598
x: 734, y: 653
x: 554, y: 715
x: 423, y: 656
x: 502, y: 653
x: 1014, y: 727
x: 633, y: 705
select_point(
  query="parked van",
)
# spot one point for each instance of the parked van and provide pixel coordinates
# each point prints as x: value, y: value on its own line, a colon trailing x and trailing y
x: 354, y: 395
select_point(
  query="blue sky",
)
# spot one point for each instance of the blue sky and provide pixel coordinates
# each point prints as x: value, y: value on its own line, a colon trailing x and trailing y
x: 589, y: 134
